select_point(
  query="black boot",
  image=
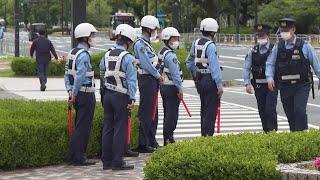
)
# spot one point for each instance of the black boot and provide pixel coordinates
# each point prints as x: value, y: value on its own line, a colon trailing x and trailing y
x: 131, y: 153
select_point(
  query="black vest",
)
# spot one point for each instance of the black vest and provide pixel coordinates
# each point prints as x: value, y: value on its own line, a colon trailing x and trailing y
x: 202, y: 42
x: 69, y: 67
x: 259, y: 62
x: 112, y: 65
x: 291, y: 64
x: 162, y: 65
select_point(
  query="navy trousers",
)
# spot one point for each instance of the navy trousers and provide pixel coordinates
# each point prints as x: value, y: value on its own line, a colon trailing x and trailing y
x: 42, y: 68
x: 84, y: 106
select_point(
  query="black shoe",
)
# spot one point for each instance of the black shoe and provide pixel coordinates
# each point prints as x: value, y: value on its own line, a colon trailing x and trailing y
x: 131, y: 153
x: 145, y: 149
x: 166, y: 142
x: 85, y: 163
x: 155, y: 146
x: 43, y: 87
x: 123, y: 167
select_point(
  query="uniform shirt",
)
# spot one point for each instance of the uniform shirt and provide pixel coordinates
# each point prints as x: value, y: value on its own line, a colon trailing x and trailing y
x: 248, y: 62
x: 128, y: 67
x: 145, y: 55
x: 43, y: 47
x: 172, y: 63
x: 83, y: 65
x: 214, y: 66
x: 308, y: 53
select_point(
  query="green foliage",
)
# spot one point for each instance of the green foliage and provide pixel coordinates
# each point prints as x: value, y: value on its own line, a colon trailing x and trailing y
x: 243, y: 156
x: 95, y: 60
x: 25, y: 66
x: 232, y: 30
x: 307, y: 14
x: 30, y: 136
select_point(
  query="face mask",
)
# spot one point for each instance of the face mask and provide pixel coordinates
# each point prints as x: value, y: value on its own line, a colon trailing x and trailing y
x: 285, y: 35
x: 92, y: 42
x: 175, y: 45
x: 262, y: 41
x: 154, y: 34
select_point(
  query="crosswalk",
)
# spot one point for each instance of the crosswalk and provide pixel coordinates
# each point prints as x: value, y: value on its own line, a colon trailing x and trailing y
x: 235, y: 118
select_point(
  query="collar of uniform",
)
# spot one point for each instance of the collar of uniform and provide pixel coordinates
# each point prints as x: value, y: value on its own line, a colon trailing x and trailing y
x: 119, y: 47
x: 207, y: 37
x: 265, y: 46
x: 82, y: 46
x: 293, y: 42
x: 145, y: 38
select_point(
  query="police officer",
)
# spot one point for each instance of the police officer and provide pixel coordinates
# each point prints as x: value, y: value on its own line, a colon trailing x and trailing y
x: 204, y: 66
x: 288, y: 68
x: 171, y: 90
x: 79, y: 81
x: 148, y: 81
x: 120, y: 81
x: 1, y: 39
x: 255, y: 63
x: 43, y: 47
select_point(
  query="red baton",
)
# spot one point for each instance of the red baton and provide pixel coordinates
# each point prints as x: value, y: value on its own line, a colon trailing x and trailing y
x: 186, y: 107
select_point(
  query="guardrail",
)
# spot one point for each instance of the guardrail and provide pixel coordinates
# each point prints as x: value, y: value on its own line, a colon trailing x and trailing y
x: 9, y: 48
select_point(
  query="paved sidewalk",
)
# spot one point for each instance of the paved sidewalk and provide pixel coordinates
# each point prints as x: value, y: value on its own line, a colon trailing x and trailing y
x: 62, y: 172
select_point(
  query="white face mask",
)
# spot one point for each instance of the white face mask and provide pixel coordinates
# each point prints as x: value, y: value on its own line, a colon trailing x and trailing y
x: 154, y: 35
x: 175, y: 45
x: 92, y: 42
x: 285, y: 35
x: 262, y: 41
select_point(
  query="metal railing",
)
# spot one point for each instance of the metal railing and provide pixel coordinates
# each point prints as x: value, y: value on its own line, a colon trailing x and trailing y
x: 9, y: 47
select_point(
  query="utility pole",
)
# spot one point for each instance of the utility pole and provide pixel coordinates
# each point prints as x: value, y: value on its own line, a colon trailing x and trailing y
x: 145, y: 7
x: 62, y: 8
x: 255, y: 12
x: 16, y: 32
x: 156, y: 8
x: 79, y: 15
x: 237, y: 3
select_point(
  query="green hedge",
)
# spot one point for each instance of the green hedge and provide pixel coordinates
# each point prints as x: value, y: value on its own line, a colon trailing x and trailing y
x: 35, y: 133
x: 244, y: 156
x: 26, y: 66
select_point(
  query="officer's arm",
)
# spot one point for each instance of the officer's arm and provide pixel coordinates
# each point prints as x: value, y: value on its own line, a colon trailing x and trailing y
x: 270, y: 64
x: 102, y: 68
x: 33, y: 46
x: 66, y: 78
x: 247, y: 67
x: 53, y: 51
x: 214, y: 65
x: 172, y: 61
x: 190, y: 61
x: 131, y: 76
x: 313, y: 58
x: 145, y: 63
x: 82, y: 63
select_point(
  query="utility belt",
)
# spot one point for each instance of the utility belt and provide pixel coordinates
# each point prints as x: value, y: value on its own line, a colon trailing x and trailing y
x: 112, y: 87
x: 87, y: 88
x: 204, y: 71
x: 293, y: 79
x: 259, y: 81
x: 143, y: 72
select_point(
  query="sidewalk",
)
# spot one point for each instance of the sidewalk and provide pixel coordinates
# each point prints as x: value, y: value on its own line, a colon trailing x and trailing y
x: 64, y: 171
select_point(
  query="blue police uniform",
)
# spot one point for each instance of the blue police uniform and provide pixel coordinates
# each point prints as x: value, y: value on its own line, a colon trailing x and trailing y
x: 289, y: 66
x: 266, y: 99
x: 120, y: 79
x: 148, y: 87
x: 204, y: 66
x: 79, y: 79
x: 172, y: 73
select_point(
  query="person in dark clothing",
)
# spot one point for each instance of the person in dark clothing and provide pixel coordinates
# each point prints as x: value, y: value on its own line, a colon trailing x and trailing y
x: 43, y: 47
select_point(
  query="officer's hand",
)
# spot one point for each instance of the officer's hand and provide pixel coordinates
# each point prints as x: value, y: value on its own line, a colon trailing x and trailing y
x: 130, y: 106
x: 220, y: 92
x: 271, y: 85
x: 161, y: 80
x: 249, y: 89
x: 180, y: 95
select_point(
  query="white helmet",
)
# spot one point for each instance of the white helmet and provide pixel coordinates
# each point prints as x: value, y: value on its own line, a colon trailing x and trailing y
x: 169, y: 32
x: 150, y: 22
x: 209, y: 24
x: 127, y: 31
x: 84, y: 30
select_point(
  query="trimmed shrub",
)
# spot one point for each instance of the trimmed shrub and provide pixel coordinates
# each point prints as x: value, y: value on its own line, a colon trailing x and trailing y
x: 35, y: 133
x: 244, y: 156
x: 26, y: 66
